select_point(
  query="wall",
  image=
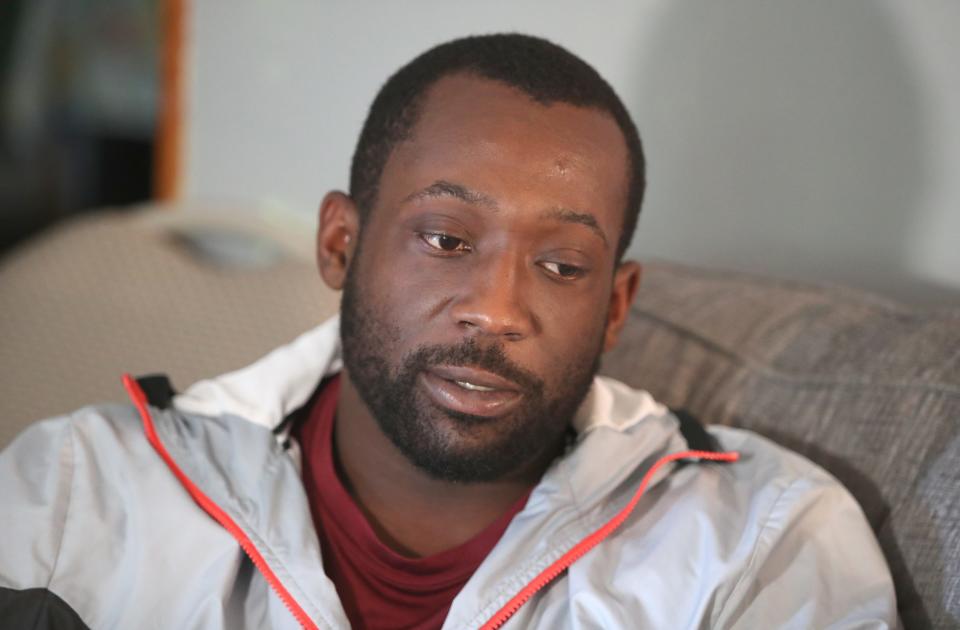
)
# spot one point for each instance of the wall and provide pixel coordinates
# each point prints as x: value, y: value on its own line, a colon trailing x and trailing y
x: 809, y: 139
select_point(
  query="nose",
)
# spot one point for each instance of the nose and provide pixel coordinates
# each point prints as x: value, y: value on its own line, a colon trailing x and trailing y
x: 494, y: 301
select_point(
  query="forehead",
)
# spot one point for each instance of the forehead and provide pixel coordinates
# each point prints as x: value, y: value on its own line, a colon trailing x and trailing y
x: 497, y: 140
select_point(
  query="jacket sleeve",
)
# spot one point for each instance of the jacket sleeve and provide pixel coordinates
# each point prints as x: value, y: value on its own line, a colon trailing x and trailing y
x: 816, y: 564
x: 36, y: 478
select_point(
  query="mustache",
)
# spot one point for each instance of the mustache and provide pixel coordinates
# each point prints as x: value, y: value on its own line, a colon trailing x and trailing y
x: 469, y: 353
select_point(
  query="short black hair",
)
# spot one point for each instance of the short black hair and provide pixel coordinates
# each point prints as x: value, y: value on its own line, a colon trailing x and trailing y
x: 544, y: 71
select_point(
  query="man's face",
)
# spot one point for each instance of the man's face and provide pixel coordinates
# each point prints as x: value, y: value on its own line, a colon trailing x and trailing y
x: 477, y: 302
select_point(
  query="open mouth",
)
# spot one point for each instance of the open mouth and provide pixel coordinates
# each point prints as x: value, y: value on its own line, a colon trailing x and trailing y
x: 474, y: 387
x: 470, y: 391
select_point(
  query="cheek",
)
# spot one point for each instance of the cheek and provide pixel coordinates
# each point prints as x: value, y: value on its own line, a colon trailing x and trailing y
x: 573, y: 333
x: 577, y: 313
x: 408, y: 293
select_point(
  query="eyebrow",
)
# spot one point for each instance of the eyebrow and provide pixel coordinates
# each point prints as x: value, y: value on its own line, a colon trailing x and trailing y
x: 442, y: 188
x: 566, y: 215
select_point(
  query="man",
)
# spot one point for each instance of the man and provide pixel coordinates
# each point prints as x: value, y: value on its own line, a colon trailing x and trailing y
x: 442, y: 455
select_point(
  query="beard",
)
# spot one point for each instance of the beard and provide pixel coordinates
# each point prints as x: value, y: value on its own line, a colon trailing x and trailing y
x: 421, y: 430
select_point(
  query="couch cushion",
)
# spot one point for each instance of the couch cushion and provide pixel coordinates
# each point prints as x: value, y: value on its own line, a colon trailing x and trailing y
x: 868, y: 389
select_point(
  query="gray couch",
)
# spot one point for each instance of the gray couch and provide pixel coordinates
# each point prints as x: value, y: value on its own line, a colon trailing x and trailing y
x: 868, y: 389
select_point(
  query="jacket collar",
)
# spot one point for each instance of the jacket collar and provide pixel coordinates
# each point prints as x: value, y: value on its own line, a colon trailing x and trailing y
x: 270, y: 389
x: 622, y: 432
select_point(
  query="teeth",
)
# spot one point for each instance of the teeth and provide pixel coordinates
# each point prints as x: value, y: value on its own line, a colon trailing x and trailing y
x: 472, y: 387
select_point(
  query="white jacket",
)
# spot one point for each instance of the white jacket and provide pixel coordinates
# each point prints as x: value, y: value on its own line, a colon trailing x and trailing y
x: 194, y: 516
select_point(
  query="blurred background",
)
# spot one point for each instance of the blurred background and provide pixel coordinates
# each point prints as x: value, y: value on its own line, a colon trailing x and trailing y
x: 808, y: 140
x: 80, y: 99
x: 815, y: 140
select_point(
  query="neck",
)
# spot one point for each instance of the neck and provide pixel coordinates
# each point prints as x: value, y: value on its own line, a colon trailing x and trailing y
x: 412, y: 512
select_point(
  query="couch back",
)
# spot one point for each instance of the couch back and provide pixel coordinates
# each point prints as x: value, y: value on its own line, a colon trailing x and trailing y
x: 110, y: 293
x: 868, y: 389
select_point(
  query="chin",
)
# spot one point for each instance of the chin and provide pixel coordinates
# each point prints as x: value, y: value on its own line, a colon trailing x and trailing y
x: 457, y: 447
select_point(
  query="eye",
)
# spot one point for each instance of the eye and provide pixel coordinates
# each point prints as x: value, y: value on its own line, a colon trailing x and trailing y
x: 445, y: 242
x: 561, y: 270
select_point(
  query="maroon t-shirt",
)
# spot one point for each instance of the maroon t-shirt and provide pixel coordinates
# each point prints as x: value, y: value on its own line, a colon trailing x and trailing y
x: 379, y: 587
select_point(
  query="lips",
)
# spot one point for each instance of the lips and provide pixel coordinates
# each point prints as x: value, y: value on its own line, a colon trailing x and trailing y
x: 470, y: 391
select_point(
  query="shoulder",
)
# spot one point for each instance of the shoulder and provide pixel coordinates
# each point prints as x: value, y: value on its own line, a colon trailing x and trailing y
x: 59, y: 472
x: 769, y: 497
x: 760, y: 453
x: 59, y: 442
x: 88, y: 501
x: 777, y: 539
x: 109, y: 419
x: 768, y: 474
x: 86, y: 465
x: 813, y: 556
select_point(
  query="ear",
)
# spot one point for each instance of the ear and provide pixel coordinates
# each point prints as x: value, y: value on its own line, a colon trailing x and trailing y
x: 626, y: 281
x: 337, y: 233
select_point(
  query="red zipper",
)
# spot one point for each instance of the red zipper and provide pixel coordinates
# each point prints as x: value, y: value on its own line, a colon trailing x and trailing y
x: 211, y: 508
x: 559, y: 566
